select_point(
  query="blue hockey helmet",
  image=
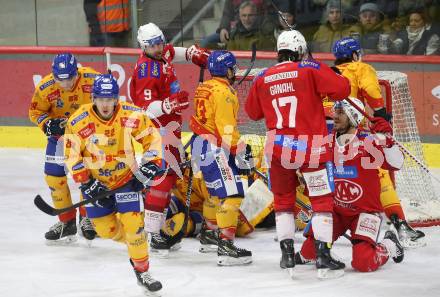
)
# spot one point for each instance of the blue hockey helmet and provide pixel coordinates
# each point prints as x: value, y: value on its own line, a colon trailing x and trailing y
x: 345, y: 47
x: 105, y: 86
x: 64, y: 66
x: 220, y: 61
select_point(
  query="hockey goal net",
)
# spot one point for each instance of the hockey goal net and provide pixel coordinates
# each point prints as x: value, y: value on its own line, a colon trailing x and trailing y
x: 414, y: 185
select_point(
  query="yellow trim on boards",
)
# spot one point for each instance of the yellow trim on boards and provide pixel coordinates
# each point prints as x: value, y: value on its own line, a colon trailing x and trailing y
x: 32, y: 137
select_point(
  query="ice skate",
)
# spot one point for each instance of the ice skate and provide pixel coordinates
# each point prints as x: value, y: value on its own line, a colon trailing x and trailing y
x: 327, y: 266
x: 287, y: 256
x: 230, y: 255
x: 408, y: 237
x: 160, y: 244
x: 61, y: 233
x: 147, y: 282
x: 87, y: 229
x: 398, y: 255
x: 208, y: 241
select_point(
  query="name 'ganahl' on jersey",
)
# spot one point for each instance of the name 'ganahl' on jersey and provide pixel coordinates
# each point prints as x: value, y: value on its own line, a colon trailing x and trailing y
x: 104, y: 149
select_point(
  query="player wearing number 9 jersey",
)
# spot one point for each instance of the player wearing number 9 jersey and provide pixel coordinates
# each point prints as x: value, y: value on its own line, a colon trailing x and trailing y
x: 155, y: 88
x: 289, y: 97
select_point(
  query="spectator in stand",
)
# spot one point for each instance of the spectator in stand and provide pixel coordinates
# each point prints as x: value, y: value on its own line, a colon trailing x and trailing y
x: 431, y: 7
x: 375, y: 33
x: 420, y: 37
x: 247, y: 30
x: 332, y: 29
x: 96, y: 38
x: 228, y: 22
x: 114, y: 21
x: 273, y: 24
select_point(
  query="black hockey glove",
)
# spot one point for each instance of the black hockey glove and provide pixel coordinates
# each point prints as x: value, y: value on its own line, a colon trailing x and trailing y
x: 148, y: 172
x: 245, y: 162
x: 93, y: 188
x: 54, y: 127
x: 382, y: 113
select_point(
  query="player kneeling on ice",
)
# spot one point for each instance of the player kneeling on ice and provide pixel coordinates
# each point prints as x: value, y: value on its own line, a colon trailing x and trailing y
x: 358, y: 155
x: 288, y: 96
x: 223, y: 158
x: 365, y: 85
x: 100, y: 155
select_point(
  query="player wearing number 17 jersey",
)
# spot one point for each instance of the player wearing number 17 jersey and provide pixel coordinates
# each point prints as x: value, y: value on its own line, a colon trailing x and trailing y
x: 289, y: 97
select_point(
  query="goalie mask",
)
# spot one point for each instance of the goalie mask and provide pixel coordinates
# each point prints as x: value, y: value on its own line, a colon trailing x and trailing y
x: 354, y: 116
x: 149, y: 35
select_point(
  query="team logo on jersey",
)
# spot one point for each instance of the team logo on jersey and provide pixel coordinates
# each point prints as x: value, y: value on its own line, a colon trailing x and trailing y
x: 143, y: 70
x: 79, y: 118
x: 60, y: 103
x: 347, y: 191
x: 87, y: 131
x: 155, y: 69
x: 46, y: 84
x: 129, y: 122
x: 55, y: 95
x: 87, y: 88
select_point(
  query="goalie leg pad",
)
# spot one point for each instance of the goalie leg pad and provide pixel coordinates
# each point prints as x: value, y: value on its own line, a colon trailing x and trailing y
x: 257, y: 202
x: 61, y: 198
x: 243, y: 227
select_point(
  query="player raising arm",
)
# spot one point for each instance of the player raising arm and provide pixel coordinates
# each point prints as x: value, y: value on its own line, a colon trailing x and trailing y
x: 155, y: 88
x: 225, y: 159
x: 100, y: 155
x: 56, y: 97
x: 288, y: 96
x: 358, y: 156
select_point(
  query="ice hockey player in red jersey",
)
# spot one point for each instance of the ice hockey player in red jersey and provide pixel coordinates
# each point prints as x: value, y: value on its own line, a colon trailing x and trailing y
x: 155, y: 88
x: 358, y: 155
x: 289, y: 97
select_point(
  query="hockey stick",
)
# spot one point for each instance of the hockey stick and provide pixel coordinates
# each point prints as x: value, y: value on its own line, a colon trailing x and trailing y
x: 300, y: 203
x: 42, y: 205
x: 108, y: 62
x: 401, y: 147
x: 253, y: 57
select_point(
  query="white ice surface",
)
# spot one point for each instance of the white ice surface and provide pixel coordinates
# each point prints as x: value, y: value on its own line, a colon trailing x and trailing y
x: 29, y: 268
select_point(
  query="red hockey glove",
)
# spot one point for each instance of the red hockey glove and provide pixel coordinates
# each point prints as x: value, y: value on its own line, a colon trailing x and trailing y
x: 168, y: 53
x: 176, y: 102
x: 197, y: 55
x: 380, y: 125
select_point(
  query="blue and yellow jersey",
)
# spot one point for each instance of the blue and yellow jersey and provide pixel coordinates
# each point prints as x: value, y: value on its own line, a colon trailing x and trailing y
x: 364, y: 83
x: 51, y: 101
x: 104, y: 149
x: 216, y: 110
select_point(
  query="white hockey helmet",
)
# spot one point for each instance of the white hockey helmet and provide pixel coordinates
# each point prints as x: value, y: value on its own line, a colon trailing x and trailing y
x: 293, y: 41
x: 149, y: 35
x: 354, y: 116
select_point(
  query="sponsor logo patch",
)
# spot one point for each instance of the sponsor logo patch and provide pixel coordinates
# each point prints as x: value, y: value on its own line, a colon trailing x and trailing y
x: 53, y: 96
x: 127, y: 197
x: 87, y: 130
x: 309, y: 64
x: 79, y: 118
x: 129, y: 107
x: 87, y: 88
x: 46, y: 84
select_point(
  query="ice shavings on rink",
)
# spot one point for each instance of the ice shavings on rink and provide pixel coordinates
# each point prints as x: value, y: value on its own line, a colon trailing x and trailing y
x: 29, y: 268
